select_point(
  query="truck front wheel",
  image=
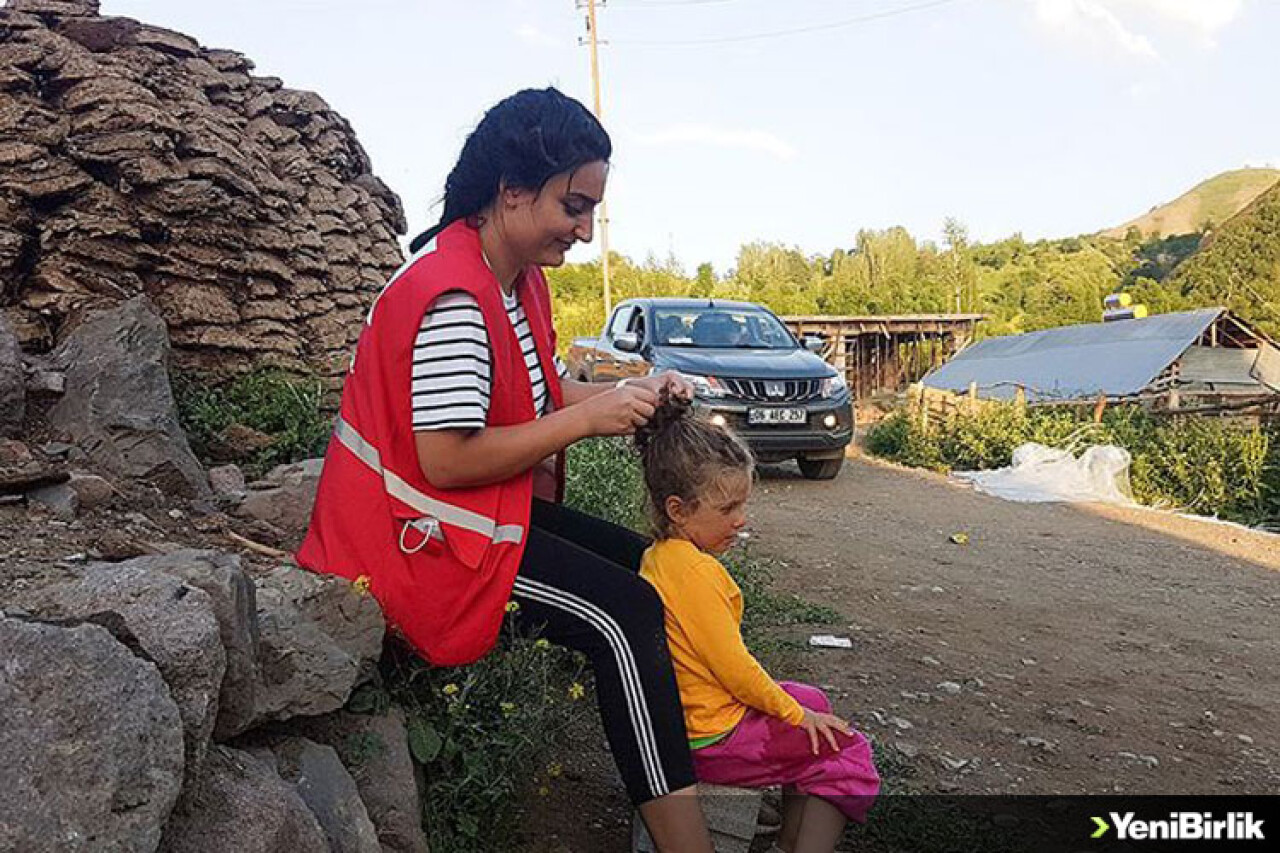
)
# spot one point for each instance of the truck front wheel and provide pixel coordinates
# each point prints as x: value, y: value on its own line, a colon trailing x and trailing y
x: 820, y: 469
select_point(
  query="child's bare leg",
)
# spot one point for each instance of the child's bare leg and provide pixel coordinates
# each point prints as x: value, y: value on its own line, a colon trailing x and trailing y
x: 820, y: 828
x: 675, y: 822
x: 792, y: 814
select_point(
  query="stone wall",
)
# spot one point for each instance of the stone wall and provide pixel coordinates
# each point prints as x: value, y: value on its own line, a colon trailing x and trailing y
x: 133, y: 160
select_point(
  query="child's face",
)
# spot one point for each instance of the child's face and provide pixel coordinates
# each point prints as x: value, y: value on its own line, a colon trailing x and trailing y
x: 714, y: 522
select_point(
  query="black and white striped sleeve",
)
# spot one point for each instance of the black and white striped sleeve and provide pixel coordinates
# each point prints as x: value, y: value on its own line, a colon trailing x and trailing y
x: 451, y: 370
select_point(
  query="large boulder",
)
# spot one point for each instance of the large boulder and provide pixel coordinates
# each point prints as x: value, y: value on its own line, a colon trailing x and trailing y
x: 13, y: 389
x: 284, y: 497
x: 162, y: 619
x: 329, y: 792
x: 320, y: 637
x: 119, y: 407
x: 91, y: 740
x: 375, y: 750
x: 133, y: 160
x: 238, y: 803
x: 234, y: 600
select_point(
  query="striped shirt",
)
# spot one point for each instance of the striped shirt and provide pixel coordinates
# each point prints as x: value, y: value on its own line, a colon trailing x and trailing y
x: 451, y: 363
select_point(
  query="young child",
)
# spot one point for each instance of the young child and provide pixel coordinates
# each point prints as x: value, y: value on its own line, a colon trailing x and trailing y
x: 745, y: 729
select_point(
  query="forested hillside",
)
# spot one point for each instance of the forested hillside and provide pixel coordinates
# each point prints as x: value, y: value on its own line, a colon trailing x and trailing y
x: 1021, y: 285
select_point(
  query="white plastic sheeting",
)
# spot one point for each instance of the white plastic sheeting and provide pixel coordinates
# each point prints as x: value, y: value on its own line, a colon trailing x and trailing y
x: 1041, y: 474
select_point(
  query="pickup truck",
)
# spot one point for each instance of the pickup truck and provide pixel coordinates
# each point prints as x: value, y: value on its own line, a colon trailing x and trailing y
x: 747, y: 369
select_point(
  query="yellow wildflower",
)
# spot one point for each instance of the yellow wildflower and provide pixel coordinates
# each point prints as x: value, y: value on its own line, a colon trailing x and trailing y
x: 513, y: 606
x: 542, y: 643
x: 361, y: 585
x: 576, y: 691
x: 449, y: 689
x: 555, y: 770
x: 508, y: 708
x: 543, y: 791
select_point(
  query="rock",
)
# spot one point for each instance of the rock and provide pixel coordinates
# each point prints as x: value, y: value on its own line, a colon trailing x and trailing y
x: 76, y: 779
x: 375, y: 750
x: 68, y: 8
x: 285, y: 496
x: 30, y: 475
x: 47, y: 382
x: 329, y: 792
x: 234, y: 599
x: 93, y: 491
x: 61, y: 500
x: 319, y: 640
x: 1148, y: 760
x: 115, y: 545
x: 1038, y: 743
x: 227, y: 481
x: 119, y: 408
x: 908, y: 750
x: 13, y: 393
x: 161, y: 619
x: 239, y: 803
x: 1245, y: 739
x: 730, y: 814
x: 949, y: 687
x: 15, y: 454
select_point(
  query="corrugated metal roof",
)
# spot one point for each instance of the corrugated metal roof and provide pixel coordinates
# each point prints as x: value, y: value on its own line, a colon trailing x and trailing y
x: 1073, y: 362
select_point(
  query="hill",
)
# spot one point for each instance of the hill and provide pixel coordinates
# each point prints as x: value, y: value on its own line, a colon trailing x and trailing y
x: 1239, y: 266
x: 1212, y: 202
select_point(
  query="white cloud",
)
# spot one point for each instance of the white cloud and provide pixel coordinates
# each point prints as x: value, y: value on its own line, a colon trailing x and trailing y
x: 1206, y: 16
x: 529, y: 34
x: 1116, y: 23
x: 705, y: 134
x: 1093, y: 20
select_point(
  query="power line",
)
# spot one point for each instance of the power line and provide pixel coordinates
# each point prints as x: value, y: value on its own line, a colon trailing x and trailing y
x: 848, y: 22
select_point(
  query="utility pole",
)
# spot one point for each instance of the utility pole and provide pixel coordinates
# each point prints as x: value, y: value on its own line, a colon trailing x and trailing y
x: 604, y: 211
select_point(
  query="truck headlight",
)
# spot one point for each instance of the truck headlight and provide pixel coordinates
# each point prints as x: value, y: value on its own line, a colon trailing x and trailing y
x: 833, y: 385
x: 706, y: 386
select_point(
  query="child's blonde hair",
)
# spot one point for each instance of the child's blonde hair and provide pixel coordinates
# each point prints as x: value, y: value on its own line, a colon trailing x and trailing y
x: 684, y: 455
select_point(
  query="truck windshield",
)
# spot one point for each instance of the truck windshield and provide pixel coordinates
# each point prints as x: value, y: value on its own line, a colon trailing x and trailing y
x: 708, y: 327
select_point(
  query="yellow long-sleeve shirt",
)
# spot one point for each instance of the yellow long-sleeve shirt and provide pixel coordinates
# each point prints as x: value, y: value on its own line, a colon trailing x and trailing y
x: 718, y: 678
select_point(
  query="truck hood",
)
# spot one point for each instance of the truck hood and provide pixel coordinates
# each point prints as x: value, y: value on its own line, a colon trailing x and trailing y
x: 742, y: 363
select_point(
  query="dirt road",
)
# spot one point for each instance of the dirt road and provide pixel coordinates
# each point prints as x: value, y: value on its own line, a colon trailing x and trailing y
x: 1063, y: 649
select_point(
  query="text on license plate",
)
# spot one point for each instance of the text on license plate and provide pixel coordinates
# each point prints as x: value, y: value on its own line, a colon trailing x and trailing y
x: 776, y: 416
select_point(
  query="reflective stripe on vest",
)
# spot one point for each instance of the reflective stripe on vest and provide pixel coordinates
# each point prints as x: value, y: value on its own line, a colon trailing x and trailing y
x: 446, y: 513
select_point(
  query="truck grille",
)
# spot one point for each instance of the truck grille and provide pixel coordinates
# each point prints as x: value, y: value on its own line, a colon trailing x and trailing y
x: 774, y: 390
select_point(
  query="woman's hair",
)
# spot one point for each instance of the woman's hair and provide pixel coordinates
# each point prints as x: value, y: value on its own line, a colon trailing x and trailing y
x: 685, y: 455
x: 522, y: 141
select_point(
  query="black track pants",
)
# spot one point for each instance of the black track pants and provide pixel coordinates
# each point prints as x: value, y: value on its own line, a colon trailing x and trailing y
x: 578, y: 587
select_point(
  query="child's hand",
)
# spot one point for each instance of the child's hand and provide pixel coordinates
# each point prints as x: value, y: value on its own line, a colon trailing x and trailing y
x: 816, y: 723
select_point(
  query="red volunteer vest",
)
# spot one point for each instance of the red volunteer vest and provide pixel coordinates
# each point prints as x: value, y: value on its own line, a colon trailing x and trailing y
x: 441, y: 562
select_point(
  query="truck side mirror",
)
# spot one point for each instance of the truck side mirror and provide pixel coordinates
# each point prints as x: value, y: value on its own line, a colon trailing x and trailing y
x: 814, y: 344
x: 627, y: 341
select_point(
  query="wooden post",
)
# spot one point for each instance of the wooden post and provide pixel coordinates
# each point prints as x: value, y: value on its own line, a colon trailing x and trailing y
x: 973, y: 398
x: 1099, y: 407
x: 1020, y: 400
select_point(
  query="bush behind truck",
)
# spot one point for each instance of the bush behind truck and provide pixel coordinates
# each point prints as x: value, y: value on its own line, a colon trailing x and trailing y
x: 747, y: 369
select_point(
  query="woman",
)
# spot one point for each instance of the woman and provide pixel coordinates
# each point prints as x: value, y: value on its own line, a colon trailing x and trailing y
x: 455, y: 405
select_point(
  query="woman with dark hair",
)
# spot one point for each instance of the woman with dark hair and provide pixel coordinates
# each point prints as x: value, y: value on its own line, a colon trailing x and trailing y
x: 442, y: 482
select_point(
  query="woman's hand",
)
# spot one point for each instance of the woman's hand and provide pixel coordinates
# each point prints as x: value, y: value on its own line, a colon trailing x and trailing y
x: 678, y: 386
x: 816, y: 724
x: 620, y: 410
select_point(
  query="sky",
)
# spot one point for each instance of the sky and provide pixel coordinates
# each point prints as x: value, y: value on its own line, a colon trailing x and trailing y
x: 798, y: 122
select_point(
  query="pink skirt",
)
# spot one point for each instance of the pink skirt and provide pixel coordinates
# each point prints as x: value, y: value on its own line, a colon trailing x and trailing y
x: 763, y: 751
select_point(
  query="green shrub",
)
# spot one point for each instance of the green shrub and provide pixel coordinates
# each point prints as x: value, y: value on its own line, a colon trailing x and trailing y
x: 283, y: 406
x: 603, y: 478
x: 1204, y: 465
x: 484, y: 734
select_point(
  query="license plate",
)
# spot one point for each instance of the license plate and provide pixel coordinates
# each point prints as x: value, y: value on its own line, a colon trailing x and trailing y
x: 776, y: 416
